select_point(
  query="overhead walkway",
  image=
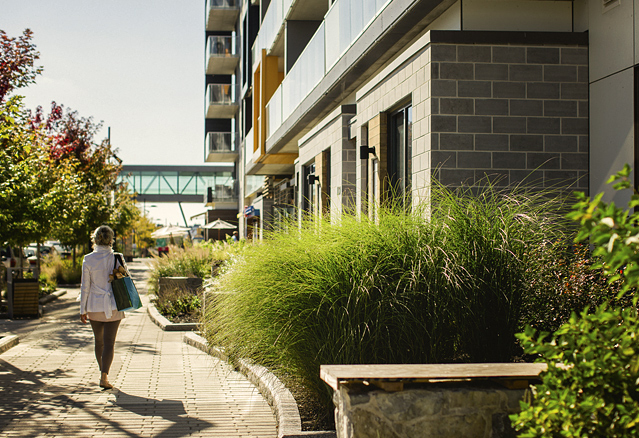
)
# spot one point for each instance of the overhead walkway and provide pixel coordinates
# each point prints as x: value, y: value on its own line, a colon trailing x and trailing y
x: 152, y: 183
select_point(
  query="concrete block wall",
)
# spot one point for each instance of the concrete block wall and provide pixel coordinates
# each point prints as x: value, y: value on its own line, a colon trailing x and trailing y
x: 520, y: 112
x: 510, y: 104
x: 333, y: 135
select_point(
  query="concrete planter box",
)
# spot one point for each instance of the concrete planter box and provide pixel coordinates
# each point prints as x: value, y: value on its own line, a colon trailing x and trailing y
x: 191, y: 284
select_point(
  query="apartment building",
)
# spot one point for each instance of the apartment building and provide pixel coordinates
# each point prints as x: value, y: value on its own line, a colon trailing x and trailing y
x: 326, y: 106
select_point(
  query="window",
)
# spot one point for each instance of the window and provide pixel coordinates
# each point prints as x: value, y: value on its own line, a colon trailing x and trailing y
x: 400, y: 155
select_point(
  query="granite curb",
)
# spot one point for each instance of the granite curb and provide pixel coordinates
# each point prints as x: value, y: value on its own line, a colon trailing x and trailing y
x: 7, y: 342
x: 52, y: 296
x: 289, y: 424
x: 167, y: 325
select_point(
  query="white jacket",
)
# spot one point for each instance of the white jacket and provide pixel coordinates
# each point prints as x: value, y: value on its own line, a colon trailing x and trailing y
x: 96, y: 294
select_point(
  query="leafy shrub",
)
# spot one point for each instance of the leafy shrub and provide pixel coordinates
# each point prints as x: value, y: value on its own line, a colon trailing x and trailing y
x: 594, y: 391
x: 179, y: 303
x: 567, y: 284
x: 405, y: 289
x: 590, y: 387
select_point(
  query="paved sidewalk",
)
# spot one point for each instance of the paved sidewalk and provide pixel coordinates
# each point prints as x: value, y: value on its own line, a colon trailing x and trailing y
x: 164, y: 387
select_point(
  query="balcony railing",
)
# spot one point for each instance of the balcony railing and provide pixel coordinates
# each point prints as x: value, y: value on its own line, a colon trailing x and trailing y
x: 221, y: 141
x: 221, y: 147
x: 222, y: 55
x: 343, y: 24
x: 222, y: 14
x: 222, y: 101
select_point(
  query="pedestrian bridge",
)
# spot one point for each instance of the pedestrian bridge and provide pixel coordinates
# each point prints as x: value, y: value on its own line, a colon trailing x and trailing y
x: 152, y: 183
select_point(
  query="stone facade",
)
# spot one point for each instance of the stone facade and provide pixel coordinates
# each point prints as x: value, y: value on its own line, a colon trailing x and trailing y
x: 509, y: 104
x: 436, y: 410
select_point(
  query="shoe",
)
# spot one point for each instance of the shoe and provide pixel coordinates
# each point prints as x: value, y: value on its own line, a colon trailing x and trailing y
x: 105, y: 384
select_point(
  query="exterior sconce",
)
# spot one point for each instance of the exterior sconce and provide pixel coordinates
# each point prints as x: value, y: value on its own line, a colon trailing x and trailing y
x: 312, y: 178
x: 364, y: 151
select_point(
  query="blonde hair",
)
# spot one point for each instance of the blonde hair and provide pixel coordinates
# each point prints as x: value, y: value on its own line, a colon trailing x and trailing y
x: 103, y: 236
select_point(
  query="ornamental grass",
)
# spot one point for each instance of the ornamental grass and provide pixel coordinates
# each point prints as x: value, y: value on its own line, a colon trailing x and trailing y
x: 445, y: 283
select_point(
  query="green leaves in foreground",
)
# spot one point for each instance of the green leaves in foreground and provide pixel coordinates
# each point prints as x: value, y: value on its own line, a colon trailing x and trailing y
x: 612, y: 230
x: 591, y: 386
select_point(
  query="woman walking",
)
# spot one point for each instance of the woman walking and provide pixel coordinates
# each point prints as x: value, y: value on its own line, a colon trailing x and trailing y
x: 97, y: 303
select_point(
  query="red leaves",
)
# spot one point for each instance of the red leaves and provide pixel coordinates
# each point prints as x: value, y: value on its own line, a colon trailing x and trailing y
x: 17, y: 57
x: 67, y: 133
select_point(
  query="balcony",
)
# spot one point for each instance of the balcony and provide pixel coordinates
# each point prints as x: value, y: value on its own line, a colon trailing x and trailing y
x: 222, y: 56
x: 221, y: 147
x: 222, y: 102
x: 222, y: 196
x: 222, y: 14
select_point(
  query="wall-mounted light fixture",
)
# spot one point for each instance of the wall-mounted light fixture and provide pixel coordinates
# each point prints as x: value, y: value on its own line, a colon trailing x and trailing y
x: 312, y: 178
x: 364, y: 151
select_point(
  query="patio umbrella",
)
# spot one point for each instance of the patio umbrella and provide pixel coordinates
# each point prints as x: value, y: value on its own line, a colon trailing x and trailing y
x: 219, y: 225
x: 166, y: 232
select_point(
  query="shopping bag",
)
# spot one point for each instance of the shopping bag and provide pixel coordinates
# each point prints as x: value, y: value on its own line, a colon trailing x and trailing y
x: 125, y: 293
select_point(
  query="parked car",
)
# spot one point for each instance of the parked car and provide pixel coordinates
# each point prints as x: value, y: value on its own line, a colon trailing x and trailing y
x: 31, y: 252
x: 11, y: 257
x: 64, y: 251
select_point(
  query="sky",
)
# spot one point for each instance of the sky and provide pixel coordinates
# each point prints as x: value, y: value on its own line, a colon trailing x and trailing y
x: 135, y: 65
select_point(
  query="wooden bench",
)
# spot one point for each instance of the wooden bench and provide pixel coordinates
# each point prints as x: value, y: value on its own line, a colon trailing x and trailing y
x: 392, y: 377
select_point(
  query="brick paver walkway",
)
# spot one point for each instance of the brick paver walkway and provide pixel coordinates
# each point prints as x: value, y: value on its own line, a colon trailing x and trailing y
x: 164, y: 388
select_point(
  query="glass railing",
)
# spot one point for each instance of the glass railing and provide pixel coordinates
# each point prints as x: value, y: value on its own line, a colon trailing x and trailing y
x: 273, y: 21
x: 271, y: 24
x: 221, y: 46
x: 221, y: 94
x: 224, y: 192
x: 274, y: 112
x: 216, y: 4
x: 308, y: 70
x: 248, y: 147
x: 342, y: 25
x: 221, y: 142
x: 253, y: 183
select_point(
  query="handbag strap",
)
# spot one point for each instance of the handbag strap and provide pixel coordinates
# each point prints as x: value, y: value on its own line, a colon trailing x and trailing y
x: 118, y: 259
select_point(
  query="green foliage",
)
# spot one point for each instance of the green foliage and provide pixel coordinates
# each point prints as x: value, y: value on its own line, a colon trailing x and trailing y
x: 568, y: 283
x: 613, y: 231
x: 190, y: 261
x: 55, y: 270
x: 179, y: 303
x: 590, y: 388
x: 404, y: 289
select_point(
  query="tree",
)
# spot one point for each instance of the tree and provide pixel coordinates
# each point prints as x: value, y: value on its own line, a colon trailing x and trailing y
x: 17, y: 62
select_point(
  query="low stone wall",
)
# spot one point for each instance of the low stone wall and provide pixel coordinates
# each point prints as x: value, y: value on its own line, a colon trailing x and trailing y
x: 460, y: 410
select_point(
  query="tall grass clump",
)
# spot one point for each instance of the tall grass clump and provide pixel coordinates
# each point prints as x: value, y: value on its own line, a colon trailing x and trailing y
x: 441, y: 284
x: 55, y: 270
x: 191, y: 261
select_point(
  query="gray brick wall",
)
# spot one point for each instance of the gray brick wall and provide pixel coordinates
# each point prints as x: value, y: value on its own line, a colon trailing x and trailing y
x: 516, y: 111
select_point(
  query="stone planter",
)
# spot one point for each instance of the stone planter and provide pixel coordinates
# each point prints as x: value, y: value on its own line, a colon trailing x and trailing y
x: 440, y: 401
x: 191, y: 284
